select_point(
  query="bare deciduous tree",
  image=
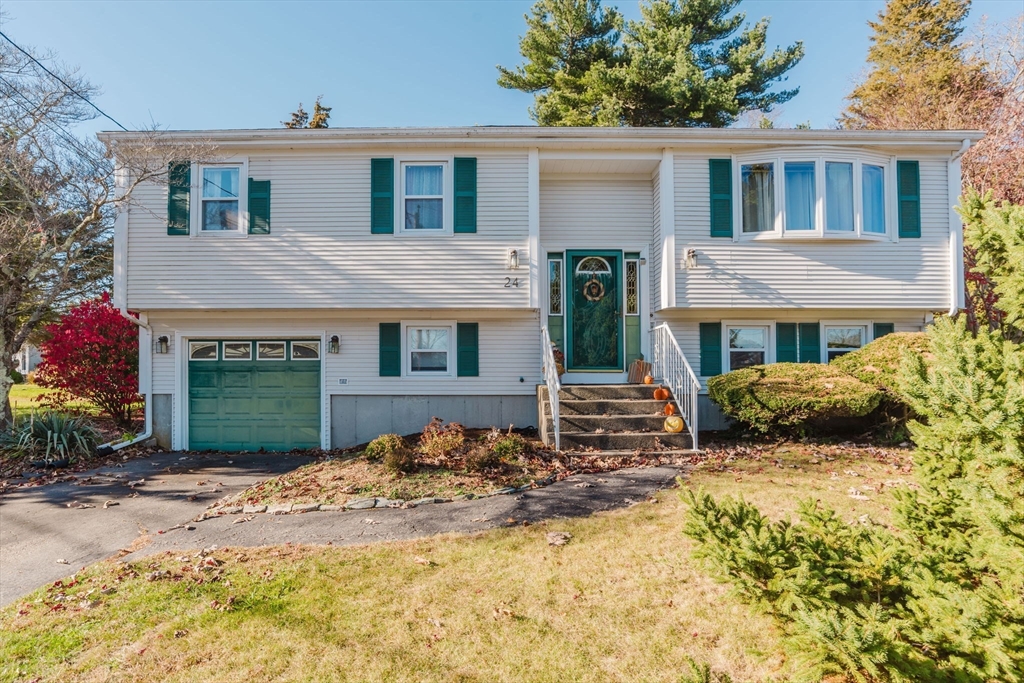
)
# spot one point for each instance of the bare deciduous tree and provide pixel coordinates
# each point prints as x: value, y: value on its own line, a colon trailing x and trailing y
x: 59, y: 194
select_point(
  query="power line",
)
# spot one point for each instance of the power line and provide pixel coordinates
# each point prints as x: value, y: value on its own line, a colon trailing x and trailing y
x: 62, y: 82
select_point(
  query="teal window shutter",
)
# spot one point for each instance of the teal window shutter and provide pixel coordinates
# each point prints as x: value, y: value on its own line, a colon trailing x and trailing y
x: 467, y: 339
x: 908, y: 186
x: 721, y: 197
x: 810, y: 343
x: 259, y: 207
x: 390, y: 349
x: 785, y: 343
x: 882, y: 329
x: 710, y: 349
x: 382, y: 196
x: 465, y: 194
x: 179, y: 185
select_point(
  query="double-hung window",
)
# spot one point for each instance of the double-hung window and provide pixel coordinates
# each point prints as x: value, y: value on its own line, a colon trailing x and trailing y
x: 429, y: 349
x: 841, y: 339
x: 222, y: 199
x: 747, y: 345
x: 423, y: 196
x: 800, y: 196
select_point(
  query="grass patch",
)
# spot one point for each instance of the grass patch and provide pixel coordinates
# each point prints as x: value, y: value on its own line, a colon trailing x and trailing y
x: 622, y: 601
x: 25, y: 400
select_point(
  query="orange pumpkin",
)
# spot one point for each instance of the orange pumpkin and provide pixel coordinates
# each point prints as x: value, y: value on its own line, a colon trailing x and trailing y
x: 648, y: 379
x: 661, y: 394
x: 670, y: 409
x: 673, y: 424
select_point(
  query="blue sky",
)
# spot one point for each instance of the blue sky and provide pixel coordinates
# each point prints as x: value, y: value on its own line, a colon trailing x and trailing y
x: 191, y: 65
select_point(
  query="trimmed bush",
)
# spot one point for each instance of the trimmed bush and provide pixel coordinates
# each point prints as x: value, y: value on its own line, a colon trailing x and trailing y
x: 791, y: 395
x: 17, y: 377
x: 382, y: 445
x: 441, y: 441
x: 510, y: 446
x: 878, y: 363
x: 400, y: 460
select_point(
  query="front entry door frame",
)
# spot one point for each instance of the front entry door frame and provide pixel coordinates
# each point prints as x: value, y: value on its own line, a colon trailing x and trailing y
x: 570, y: 283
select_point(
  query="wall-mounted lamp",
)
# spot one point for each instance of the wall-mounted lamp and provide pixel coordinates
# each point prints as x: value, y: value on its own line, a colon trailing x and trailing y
x: 162, y: 343
x: 513, y: 259
x: 691, y: 258
x: 334, y: 345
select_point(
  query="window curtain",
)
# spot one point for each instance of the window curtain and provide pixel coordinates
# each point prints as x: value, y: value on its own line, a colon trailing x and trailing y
x: 839, y: 195
x: 758, y: 197
x: 800, y: 195
x: 424, y: 180
x: 874, y: 198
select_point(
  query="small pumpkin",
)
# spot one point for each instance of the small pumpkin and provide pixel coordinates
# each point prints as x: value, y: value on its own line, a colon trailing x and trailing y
x: 661, y: 394
x: 670, y: 408
x: 673, y: 424
x: 648, y: 379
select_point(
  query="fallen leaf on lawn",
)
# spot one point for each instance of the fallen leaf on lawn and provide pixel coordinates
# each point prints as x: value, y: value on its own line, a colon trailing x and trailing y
x: 422, y: 560
x: 180, y: 633
x: 558, y: 537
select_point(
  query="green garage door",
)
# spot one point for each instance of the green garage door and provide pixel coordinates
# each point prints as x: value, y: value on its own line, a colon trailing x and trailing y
x: 247, y: 395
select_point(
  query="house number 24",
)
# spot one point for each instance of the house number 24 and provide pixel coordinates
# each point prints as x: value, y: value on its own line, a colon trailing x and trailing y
x: 511, y: 282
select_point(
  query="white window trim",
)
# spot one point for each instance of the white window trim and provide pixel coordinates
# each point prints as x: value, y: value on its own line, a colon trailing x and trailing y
x: 291, y: 350
x: 271, y: 341
x: 823, y: 325
x: 407, y: 370
x: 224, y: 355
x: 449, y: 195
x: 216, y: 356
x: 196, y: 205
x: 819, y: 156
x: 769, y: 352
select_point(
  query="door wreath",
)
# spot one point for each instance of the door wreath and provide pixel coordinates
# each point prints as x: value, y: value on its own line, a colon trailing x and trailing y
x: 593, y: 290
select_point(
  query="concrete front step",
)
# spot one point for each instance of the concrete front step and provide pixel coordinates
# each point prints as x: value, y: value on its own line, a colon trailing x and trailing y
x: 597, y: 392
x: 626, y: 440
x: 614, y: 407
x: 611, y: 423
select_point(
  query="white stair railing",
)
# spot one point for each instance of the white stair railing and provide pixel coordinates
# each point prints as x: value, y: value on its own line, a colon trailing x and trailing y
x: 551, y: 379
x: 672, y: 368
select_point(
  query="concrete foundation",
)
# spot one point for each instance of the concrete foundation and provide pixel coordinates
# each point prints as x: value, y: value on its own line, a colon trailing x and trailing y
x: 162, y: 420
x: 358, y: 419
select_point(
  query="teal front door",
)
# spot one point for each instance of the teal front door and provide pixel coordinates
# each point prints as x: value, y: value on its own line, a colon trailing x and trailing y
x: 247, y: 395
x: 594, y: 329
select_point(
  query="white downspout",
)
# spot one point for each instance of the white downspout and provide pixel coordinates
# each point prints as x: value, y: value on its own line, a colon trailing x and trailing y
x: 145, y: 331
x: 956, y: 231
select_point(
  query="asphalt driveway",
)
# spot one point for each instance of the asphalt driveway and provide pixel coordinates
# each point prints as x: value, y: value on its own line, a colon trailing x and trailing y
x: 45, y: 535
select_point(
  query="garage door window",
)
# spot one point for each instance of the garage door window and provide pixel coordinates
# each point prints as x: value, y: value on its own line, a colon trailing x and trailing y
x: 237, y: 350
x: 309, y: 350
x: 270, y: 350
x: 202, y: 350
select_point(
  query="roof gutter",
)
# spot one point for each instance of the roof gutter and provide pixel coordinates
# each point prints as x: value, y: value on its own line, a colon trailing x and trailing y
x: 956, y: 230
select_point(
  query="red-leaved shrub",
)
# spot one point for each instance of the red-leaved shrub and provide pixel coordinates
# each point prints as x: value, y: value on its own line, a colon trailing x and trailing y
x: 92, y: 354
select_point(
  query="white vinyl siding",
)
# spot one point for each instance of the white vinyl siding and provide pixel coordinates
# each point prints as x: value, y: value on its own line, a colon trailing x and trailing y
x: 596, y: 212
x: 655, y: 271
x: 908, y: 274
x: 320, y: 253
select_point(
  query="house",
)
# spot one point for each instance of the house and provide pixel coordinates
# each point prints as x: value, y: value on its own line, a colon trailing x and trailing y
x: 320, y: 287
x: 27, y: 359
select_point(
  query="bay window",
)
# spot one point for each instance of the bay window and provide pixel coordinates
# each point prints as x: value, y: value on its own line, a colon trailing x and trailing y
x: 840, y: 195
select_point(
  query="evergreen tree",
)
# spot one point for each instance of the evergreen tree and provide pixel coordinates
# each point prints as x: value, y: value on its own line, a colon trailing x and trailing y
x: 321, y: 114
x: 921, y: 77
x: 564, y: 40
x: 300, y: 117
x: 681, y: 64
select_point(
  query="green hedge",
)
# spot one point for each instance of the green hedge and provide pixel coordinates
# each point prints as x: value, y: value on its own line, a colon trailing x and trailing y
x: 878, y: 363
x: 791, y: 395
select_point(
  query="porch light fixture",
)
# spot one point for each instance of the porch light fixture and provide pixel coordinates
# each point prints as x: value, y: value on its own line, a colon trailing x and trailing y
x: 691, y: 258
x: 513, y: 259
x: 161, y: 344
x: 334, y: 346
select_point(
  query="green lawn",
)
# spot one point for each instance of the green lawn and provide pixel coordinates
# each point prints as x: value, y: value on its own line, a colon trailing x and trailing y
x: 23, y: 401
x: 622, y: 601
